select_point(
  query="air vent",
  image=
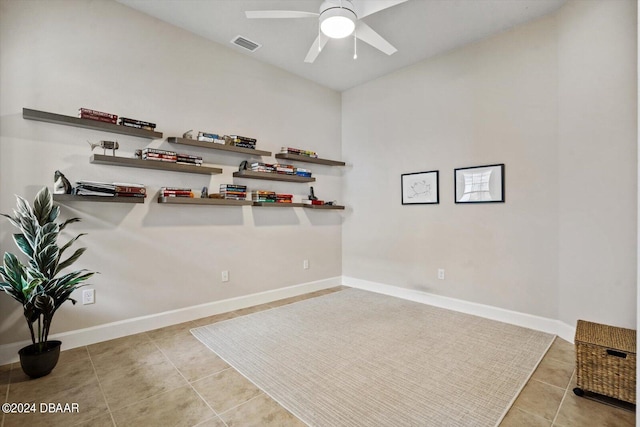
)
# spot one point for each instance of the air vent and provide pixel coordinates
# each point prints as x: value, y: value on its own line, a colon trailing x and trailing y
x: 246, y: 43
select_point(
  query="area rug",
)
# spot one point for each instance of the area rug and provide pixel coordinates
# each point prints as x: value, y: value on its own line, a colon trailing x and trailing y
x: 356, y: 358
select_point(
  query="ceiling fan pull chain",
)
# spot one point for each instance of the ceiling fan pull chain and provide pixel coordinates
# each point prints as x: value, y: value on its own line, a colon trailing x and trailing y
x: 355, y: 45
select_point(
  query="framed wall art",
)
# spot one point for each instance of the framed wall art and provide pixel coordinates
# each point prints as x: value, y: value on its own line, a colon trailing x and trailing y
x: 479, y: 184
x: 420, y: 188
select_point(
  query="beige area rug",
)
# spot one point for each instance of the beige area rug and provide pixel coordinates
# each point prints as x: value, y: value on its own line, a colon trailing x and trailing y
x: 355, y: 358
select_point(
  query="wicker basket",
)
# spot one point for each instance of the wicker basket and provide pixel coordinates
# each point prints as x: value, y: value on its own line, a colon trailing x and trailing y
x: 606, y: 360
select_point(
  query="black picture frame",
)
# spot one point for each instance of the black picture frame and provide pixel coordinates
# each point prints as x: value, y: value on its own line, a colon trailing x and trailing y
x: 420, y: 188
x: 479, y: 184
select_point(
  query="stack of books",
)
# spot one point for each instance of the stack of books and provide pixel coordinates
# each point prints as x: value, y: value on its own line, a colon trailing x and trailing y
x: 284, y: 198
x: 299, y: 152
x: 125, y: 189
x: 243, y: 141
x: 303, y: 172
x: 264, y: 196
x: 210, y: 137
x: 176, y: 192
x: 285, y: 169
x: 159, y: 155
x: 262, y: 167
x: 86, y: 113
x: 94, y: 188
x: 138, y: 124
x: 233, y: 191
x: 313, y: 202
x: 188, y: 159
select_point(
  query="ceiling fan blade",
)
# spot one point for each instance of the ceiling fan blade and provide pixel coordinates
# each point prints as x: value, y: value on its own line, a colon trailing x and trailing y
x: 314, y: 51
x: 252, y: 14
x: 367, y: 35
x: 368, y: 7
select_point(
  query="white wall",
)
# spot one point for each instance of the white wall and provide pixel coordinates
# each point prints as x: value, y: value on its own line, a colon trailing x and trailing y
x: 59, y: 56
x: 555, y: 100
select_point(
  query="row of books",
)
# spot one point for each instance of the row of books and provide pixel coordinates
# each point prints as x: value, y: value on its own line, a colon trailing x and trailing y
x: 279, y: 168
x: 114, y: 189
x: 236, y: 140
x: 270, y: 197
x: 87, y: 113
x: 170, y: 156
x: 299, y: 152
x: 176, y: 192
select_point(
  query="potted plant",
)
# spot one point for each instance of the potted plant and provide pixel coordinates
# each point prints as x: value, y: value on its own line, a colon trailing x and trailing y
x: 38, y: 286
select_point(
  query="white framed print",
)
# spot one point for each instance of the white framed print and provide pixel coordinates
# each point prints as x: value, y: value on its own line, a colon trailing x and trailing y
x: 420, y: 188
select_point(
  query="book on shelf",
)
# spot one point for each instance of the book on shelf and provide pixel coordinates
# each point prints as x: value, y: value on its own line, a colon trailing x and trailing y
x: 244, y: 145
x: 123, y: 187
x: 176, y: 192
x: 97, y: 118
x: 313, y: 202
x: 240, y: 138
x: 127, y: 121
x: 209, y: 135
x: 142, y: 196
x: 95, y: 113
x: 131, y: 125
x: 233, y: 186
x: 158, y: 151
x: 159, y: 159
x: 299, y: 152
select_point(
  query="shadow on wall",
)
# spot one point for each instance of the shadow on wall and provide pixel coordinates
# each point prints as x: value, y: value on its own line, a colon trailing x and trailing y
x: 163, y: 215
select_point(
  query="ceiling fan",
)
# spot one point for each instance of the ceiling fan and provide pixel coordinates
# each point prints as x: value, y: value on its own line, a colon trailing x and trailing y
x: 338, y: 19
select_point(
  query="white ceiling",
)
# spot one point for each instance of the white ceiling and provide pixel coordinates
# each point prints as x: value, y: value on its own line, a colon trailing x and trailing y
x: 419, y: 29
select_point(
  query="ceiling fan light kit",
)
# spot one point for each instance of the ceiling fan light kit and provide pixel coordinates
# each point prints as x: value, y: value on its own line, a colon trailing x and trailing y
x: 338, y: 22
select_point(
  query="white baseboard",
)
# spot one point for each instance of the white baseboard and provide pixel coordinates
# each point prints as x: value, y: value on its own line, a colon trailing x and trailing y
x: 538, y: 323
x: 94, y: 334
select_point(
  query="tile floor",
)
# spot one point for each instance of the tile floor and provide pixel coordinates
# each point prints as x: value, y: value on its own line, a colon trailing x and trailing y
x: 167, y: 377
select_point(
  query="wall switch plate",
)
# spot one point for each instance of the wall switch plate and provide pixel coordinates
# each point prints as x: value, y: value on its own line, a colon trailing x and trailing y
x: 441, y: 273
x: 225, y: 276
x: 305, y: 264
x: 88, y: 296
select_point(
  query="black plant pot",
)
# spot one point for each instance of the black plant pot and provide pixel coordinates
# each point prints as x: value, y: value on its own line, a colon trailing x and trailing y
x: 36, y: 364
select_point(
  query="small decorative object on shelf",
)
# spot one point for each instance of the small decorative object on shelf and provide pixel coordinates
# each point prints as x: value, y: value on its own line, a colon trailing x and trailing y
x: 204, y: 193
x: 188, y: 134
x: 312, y: 195
x: 105, y: 145
x: 61, y: 184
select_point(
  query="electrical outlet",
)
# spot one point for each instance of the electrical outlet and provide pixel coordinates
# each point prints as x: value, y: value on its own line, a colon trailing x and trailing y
x: 225, y: 276
x: 441, y: 273
x: 88, y: 296
x: 305, y: 264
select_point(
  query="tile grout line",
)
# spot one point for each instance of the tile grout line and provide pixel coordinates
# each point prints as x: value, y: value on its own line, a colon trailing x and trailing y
x: 191, y: 385
x: 104, y: 396
x: 564, y: 396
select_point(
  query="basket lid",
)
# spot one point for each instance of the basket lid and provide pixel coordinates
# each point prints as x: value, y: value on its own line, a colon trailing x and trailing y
x: 606, y: 336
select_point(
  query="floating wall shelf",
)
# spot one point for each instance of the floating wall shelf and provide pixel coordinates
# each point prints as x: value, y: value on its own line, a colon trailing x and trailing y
x: 221, y: 147
x: 278, y: 205
x: 338, y: 207
x: 307, y: 159
x: 197, y: 201
x: 62, y: 198
x: 102, y: 159
x: 272, y: 176
x: 43, y: 116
